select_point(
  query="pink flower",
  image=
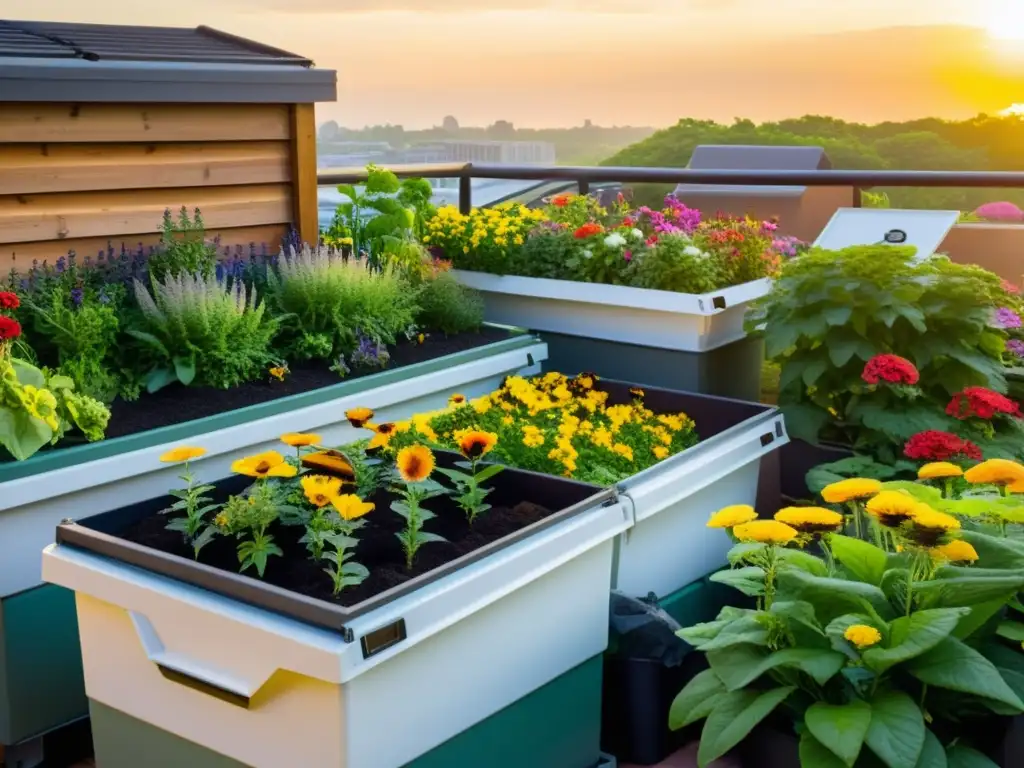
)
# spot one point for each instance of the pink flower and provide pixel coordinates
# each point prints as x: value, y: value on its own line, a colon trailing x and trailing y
x: 628, y: 255
x: 1000, y: 211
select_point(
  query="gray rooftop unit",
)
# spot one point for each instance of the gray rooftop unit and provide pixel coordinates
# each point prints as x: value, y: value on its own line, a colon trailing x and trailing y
x: 726, y: 157
x: 99, y: 63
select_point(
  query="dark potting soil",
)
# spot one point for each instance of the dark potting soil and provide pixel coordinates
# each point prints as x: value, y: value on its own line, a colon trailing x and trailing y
x: 176, y: 404
x: 378, y: 549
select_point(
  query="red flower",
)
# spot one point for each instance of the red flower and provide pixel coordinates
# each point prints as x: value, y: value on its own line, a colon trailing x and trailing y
x: 589, y: 230
x: 933, y: 445
x: 891, y: 369
x: 982, y: 403
x: 9, y: 300
x: 628, y: 222
x: 9, y: 328
x: 560, y: 201
x: 1010, y: 287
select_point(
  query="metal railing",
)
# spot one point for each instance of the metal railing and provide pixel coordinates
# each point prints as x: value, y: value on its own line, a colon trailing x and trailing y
x: 584, y: 176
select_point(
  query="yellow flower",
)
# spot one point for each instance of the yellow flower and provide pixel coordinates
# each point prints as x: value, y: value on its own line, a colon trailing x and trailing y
x: 269, y: 464
x: 332, y: 462
x: 660, y: 452
x: 995, y: 472
x: 765, y: 532
x: 929, y: 526
x: 320, y: 490
x: 415, y: 463
x: 810, y: 519
x: 481, y: 405
x: 41, y: 404
x: 956, y: 551
x: 350, y: 506
x: 357, y: 417
x: 182, y: 453
x: 850, y: 490
x: 475, y: 444
x: 507, y: 420
x: 862, y: 635
x: 279, y: 372
x: 300, y: 439
x: 892, y: 508
x: 623, y: 450
x: 456, y: 399
x: 939, y: 469
x: 377, y: 442
x: 729, y: 517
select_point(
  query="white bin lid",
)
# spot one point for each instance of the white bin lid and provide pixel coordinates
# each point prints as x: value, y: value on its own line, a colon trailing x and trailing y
x: 925, y: 230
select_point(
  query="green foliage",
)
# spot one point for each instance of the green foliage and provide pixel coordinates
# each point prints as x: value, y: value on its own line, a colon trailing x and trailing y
x: 412, y: 536
x: 183, y: 248
x: 446, y: 305
x: 248, y: 518
x: 831, y: 312
x: 676, y: 264
x: 198, y: 330
x: 546, y: 253
x: 329, y: 300
x: 383, y: 207
x: 195, y: 505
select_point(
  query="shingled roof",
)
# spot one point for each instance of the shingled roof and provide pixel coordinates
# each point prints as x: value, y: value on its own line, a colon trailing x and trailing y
x: 51, y: 61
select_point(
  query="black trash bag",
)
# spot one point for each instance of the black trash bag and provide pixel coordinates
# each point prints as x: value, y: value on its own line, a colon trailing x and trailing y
x: 642, y: 630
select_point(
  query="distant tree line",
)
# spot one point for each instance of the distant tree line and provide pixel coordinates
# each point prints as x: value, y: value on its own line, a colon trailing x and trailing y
x: 981, y: 143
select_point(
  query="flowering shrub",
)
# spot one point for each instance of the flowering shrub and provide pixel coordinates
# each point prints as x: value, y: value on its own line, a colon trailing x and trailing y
x: 485, y: 237
x: 559, y: 426
x: 879, y: 647
x: 934, y: 445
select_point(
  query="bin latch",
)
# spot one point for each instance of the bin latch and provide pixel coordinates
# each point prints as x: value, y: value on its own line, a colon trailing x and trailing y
x: 382, y: 638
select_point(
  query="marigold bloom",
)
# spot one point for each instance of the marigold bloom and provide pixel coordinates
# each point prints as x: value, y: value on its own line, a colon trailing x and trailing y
x: 475, y: 444
x: 350, y: 506
x: 765, y: 532
x: 588, y: 230
x: 415, y: 463
x: 387, y: 428
x: 660, y: 452
x: 850, y: 490
x: 729, y: 517
x: 892, y: 508
x: 262, y: 465
x: 862, y: 635
x: 938, y: 469
x: 357, y: 417
x: 182, y: 453
x: 320, y: 490
x: 995, y: 472
x: 332, y: 462
x: 891, y: 369
x: 934, y: 445
x: 928, y: 526
x: 300, y: 439
x: 810, y: 519
x: 956, y: 551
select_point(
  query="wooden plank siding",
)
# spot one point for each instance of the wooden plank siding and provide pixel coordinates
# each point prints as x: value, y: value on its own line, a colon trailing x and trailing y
x: 78, y: 176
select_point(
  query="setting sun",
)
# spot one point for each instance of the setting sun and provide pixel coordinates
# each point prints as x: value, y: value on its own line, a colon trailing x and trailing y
x: 1004, y: 20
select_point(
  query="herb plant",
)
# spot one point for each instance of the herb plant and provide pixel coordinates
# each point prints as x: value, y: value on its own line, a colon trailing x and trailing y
x: 446, y: 305
x: 192, y: 501
x: 183, y: 248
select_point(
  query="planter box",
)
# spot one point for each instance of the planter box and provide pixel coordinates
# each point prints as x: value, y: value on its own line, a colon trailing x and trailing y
x: 268, y: 677
x: 683, y: 322
x: 38, y: 493
x: 669, y: 545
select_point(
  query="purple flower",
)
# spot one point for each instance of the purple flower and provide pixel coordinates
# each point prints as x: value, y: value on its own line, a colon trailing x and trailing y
x: 369, y: 353
x: 1016, y: 346
x: 62, y: 264
x: 1006, y: 318
x: 76, y: 297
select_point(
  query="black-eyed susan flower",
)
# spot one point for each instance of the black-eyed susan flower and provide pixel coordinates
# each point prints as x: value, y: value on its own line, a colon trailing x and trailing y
x: 853, y: 489
x: 357, y: 417
x: 955, y: 551
x: 810, y: 519
x: 387, y: 429
x: 301, y: 439
x: 350, y: 507
x: 1001, y: 472
x: 457, y: 399
x: 892, y: 508
x: 765, y: 532
x: 182, y: 453
x: 320, y: 490
x: 474, y: 444
x: 415, y: 463
x: 937, y: 470
x: 862, y: 635
x: 637, y: 393
x: 729, y: 517
x: 263, y: 465
x: 928, y: 526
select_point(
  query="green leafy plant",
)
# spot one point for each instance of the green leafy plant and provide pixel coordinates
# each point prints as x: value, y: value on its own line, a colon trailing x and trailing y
x: 248, y: 519
x: 877, y: 655
x: 830, y: 313
x: 545, y: 253
x: 343, y: 571
x: 414, y: 466
x: 675, y: 263
x: 192, y: 501
x: 197, y: 330
x: 384, y: 207
x: 446, y: 305
x: 183, y: 248
x: 470, y: 493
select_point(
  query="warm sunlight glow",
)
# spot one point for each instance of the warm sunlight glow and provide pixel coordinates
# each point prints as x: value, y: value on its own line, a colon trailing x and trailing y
x: 1013, y: 109
x: 1004, y: 20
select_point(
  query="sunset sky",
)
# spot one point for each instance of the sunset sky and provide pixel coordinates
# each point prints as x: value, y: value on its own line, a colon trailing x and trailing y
x: 547, y: 63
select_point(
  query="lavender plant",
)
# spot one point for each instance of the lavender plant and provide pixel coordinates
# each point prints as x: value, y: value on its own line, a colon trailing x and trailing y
x: 184, y: 249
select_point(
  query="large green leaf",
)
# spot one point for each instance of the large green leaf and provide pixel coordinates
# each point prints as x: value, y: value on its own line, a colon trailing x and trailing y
x: 932, y: 754
x: 696, y: 700
x: 967, y: 590
x: 735, y: 715
x: 804, y: 421
x: 832, y: 597
x: 980, y: 615
x: 740, y: 665
x: 896, y: 733
x: 813, y: 754
x: 22, y: 434
x: 958, y: 667
x: 865, y: 561
x: 910, y: 636
x: 925, y: 493
x: 1011, y: 630
x: 745, y: 630
x: 841, y: 728
x: 962, y: 756
x: 749, y: 579
x: 28, y: 375
x: 994, y: 552
x: 803, y: 624
x: 804, y: 561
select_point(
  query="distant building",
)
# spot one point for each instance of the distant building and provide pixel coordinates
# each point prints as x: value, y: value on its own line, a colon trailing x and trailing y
x: 499, y: 152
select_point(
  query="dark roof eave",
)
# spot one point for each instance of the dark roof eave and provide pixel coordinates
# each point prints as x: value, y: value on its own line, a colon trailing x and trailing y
x: 129, y: 82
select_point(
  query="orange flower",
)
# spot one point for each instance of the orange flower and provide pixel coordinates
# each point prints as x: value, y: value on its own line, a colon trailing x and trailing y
x: 415, y: 463
x: 320, y: 490
x: 357, y: 417
x: 262, y: 465
x: 300, y: 439
x: 330, y: 462
x: 475, y: 444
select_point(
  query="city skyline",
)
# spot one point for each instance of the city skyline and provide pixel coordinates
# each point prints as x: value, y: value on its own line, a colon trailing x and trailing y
x: 550, y: 63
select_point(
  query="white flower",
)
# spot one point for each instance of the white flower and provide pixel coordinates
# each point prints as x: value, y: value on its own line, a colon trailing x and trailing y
x: 637, y: 234
x: 692, y: 250
x: 588, y: 254
x: 615, y: 240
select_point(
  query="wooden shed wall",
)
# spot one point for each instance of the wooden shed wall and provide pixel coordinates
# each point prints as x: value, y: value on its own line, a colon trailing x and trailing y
x: 80, y: 176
